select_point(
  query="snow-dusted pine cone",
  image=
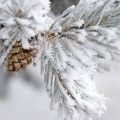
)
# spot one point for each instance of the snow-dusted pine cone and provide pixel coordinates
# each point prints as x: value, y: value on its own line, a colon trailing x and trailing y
x: 19, y: 58
x: 21, y: 20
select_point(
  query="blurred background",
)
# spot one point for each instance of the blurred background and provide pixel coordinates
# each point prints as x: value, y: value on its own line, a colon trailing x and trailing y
x: 23, y: 96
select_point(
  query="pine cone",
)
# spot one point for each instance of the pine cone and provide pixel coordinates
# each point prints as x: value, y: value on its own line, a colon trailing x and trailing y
x: 20, y: 58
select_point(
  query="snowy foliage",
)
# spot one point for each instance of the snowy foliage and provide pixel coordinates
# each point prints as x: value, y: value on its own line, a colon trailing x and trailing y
x: 79, y: 43
x: 21, y: 20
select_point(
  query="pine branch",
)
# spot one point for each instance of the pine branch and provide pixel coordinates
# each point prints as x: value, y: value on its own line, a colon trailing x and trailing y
x: 80, y: 43
x: 77, y: 45
x: 22, y: 14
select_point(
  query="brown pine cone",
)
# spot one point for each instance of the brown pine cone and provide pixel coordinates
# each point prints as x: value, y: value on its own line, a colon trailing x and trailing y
x: 20, y: 58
